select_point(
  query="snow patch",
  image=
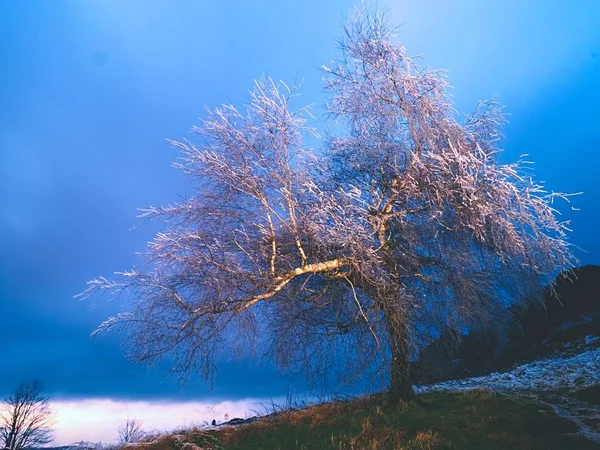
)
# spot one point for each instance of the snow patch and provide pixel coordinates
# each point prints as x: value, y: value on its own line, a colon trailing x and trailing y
x: 561, y: 370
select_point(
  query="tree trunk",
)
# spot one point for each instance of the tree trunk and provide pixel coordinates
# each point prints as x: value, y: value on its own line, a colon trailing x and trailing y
x: 400, y: 384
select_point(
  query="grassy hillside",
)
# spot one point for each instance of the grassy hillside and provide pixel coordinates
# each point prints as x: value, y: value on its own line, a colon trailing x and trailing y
x: 476, y: 419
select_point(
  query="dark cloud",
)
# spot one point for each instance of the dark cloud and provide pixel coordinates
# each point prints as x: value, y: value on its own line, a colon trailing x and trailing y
x: 55, y: 347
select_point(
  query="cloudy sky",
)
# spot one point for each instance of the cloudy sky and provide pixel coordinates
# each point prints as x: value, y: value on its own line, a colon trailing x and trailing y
x: 90, y: 89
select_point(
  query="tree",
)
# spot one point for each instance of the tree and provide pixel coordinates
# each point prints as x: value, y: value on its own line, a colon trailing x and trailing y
x: 131, y: 431
x: 26, y: 419
x: 352, y: 259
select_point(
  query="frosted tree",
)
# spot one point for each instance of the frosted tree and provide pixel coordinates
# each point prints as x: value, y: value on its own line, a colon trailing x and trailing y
x: 347, y: 261
x: 26, y: 419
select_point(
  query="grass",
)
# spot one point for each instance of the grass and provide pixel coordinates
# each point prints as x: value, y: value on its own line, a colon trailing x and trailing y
x: 470, y: 420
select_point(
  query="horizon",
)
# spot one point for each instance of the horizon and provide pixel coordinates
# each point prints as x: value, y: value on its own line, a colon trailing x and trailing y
x: 98, y: 420
x: 93, y: 89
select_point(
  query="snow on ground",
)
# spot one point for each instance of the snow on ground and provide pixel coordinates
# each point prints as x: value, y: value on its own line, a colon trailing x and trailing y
x: 564, y: 369
x: 575, y: 366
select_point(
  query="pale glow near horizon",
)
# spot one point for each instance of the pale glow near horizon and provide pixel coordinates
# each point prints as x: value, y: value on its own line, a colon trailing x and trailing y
x: 97, y: 420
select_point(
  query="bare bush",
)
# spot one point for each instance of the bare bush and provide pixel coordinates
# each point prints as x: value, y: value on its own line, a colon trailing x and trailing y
x: 352, y: 259
x: 131, y: 431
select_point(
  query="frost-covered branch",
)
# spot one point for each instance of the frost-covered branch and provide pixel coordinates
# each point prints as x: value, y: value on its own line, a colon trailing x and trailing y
x: 404, y: 225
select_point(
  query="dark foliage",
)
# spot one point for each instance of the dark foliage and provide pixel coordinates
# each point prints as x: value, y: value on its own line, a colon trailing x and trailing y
x: 569, y: 312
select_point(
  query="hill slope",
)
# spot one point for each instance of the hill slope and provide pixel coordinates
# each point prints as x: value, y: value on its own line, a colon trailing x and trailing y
x: 551, y: 403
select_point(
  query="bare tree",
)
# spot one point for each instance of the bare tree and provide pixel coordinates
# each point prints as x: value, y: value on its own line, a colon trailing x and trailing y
x: 131, y: 431
x: 26, y: 418
x: 353, y: 259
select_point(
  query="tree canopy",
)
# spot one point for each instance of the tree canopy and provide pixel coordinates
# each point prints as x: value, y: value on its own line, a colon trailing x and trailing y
x: 347, y: 260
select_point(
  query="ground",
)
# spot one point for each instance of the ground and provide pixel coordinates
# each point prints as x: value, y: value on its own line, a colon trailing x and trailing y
x: 551, y: 403
x: 473, y: 419
x: 568, y: 381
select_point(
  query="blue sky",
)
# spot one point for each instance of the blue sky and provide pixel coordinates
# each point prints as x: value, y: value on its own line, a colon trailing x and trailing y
x: 90, y: 89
